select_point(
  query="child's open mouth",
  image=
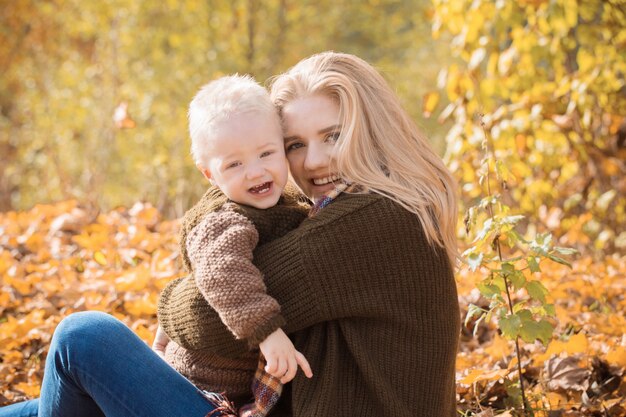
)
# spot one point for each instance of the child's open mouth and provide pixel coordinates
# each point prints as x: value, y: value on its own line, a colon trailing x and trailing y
x: 261, y: 188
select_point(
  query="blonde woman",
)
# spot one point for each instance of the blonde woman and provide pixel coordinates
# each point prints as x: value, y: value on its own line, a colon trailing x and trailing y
x: 365, y: 284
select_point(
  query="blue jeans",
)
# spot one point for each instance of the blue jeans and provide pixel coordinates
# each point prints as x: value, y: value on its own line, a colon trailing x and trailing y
x: 97, y: 366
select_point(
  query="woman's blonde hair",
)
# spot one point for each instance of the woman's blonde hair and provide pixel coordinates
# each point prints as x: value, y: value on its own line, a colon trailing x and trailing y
x: 380, y: 147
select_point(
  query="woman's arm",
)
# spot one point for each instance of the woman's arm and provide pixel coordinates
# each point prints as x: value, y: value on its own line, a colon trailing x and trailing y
x: 355, y: 259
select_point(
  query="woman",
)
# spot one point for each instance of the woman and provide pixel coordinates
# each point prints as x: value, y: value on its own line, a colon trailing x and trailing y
x: 365, y: 284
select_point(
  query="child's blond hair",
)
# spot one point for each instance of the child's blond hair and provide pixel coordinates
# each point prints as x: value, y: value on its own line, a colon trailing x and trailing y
x: 218, y: 101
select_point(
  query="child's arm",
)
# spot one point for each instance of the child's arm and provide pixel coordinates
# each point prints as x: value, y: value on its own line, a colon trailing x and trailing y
x: 220, y: 249
x: 282, y: 357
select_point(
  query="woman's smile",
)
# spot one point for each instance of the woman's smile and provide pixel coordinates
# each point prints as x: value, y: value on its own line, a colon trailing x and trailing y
x: 312, y: 127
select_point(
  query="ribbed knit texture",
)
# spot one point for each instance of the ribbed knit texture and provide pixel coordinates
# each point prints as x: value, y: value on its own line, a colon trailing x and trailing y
x: 217, y: 241
x: 371, y: 305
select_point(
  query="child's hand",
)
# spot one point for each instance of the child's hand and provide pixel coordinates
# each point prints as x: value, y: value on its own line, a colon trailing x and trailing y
x: 283, y: 358
x: 160, y: 342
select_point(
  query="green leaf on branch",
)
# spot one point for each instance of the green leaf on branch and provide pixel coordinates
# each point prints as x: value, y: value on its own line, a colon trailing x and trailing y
x: 537, y: 291
x: 474, y: 260
x: 473, y: 311
x: 533, y: 264
x: 517, y: 279
x: 517, y: 236
x: 519, y: 306
x: 565, y: 251
x: 542, y: 243
x: 510, y: 326
x: 549, y: 310
x: 512, y: 220
x: 532, y: 330
x: 559, y: 260
x: 488, y: 227
x: 488, y: 290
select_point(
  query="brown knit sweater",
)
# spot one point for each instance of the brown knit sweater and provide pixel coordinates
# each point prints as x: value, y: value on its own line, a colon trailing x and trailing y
x: 367, y: 300
x: 217, y: 240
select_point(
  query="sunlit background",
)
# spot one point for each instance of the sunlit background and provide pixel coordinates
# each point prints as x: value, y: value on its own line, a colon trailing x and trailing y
x: 94, y: 94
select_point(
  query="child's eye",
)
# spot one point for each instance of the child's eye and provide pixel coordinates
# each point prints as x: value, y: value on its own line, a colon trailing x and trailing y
x: 266, y: 153
x: 233, y: 165
x: 293, y: 146
x: 332, y: 137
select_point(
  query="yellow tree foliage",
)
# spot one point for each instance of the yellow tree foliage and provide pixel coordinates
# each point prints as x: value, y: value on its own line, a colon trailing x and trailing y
x: 546, y: 77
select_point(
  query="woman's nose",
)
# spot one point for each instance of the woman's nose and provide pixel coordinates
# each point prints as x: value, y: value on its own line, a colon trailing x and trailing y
x: 317, y: 156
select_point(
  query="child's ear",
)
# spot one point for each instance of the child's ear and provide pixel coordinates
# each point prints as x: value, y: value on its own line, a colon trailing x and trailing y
x: 205, y: 172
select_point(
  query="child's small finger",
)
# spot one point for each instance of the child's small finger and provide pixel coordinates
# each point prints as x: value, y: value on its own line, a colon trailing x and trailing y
x: 271, y: 365
x: 282, y: 368
x: 291, y: 370
x: 304, y: 364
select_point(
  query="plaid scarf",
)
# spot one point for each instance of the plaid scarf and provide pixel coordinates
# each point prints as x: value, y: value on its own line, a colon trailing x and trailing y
x: 327, y: 199
x: 265, y: 388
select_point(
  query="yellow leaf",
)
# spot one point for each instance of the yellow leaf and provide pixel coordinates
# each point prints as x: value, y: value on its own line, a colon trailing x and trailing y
x: 430, y: 101
x: 617, y: 356
x: 555, y: 399
x: 133, y: 280
x: 100, y: 258
x: 145, y: 305
x: 576, y: 344
x: 499, y: 347
x: 478, y: 375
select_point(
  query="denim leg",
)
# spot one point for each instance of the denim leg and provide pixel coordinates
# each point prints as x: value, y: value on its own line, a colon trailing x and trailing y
x: 23, y: 409
x: 97, y: 366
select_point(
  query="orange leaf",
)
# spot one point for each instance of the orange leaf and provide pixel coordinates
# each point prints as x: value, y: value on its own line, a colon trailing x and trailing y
x: 30, y: 390
x: 617, y: 355
x: 477, y: 375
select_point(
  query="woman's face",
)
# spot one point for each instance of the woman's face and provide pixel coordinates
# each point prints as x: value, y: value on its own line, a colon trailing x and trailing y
x: 312, y: 127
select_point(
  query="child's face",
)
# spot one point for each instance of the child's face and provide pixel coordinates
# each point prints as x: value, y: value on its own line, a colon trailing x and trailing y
x: 248, y: 159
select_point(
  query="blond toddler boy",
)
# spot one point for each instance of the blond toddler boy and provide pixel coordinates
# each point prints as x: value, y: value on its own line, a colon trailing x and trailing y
x: 237, y: 144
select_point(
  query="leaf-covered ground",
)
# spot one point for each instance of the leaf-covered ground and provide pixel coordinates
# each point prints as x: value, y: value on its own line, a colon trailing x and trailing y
x: 57, y: 259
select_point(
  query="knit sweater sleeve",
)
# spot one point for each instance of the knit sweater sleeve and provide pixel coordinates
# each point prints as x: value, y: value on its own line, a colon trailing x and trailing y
x: 220, y: 249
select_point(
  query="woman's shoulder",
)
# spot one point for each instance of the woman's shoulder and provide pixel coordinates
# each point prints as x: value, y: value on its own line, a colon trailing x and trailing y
x: 360, y: 216
x: 362, y: 205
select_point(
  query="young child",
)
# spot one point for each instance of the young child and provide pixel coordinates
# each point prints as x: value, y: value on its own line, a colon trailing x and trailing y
x: 237, y: 144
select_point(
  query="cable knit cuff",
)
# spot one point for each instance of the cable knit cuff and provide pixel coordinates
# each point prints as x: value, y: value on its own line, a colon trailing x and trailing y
x: 261, y: 332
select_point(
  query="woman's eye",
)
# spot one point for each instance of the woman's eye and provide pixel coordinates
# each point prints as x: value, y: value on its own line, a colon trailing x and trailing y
x: 293, y: 146
x: 333, y: 137
x: 233, y: 165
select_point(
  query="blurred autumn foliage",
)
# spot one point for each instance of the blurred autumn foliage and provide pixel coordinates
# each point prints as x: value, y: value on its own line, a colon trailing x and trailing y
x: 94, y: 94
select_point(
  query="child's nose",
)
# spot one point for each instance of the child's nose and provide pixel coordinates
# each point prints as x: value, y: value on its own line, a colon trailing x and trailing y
x: 254, y: 171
